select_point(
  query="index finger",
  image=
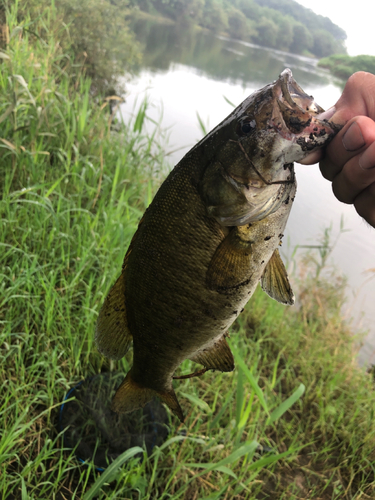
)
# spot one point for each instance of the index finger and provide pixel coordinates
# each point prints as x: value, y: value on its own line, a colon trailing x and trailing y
x: 357, y: 99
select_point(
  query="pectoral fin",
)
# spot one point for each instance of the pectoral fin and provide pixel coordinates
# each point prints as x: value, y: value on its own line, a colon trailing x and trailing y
x: 230, y: 263
x: 216, y: 357
x: 132, y: 396
x: 112, y: 335
x: 275, y: 280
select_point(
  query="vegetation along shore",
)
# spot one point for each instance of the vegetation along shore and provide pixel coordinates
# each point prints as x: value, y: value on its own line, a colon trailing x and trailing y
x: 295, y: 420
x: 343, y: 66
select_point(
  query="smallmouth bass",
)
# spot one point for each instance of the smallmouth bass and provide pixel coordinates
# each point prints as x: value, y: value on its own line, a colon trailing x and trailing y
x: 210, y: 235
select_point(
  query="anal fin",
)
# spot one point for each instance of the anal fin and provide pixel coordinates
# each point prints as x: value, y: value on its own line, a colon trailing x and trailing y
x: 131, y: 396
x: 275, y: 282
x: 217, y: 356
x: 112, y: 335
x: 230, y: 263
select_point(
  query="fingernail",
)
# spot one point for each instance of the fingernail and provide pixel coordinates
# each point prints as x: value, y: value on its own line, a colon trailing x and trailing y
x: 353, y: 138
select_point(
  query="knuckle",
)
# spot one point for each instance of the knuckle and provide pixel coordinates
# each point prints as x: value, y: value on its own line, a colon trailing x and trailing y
x: 365, y: 205
x: 358, y: 79
x: 341, y: 193
x: 326, y: 167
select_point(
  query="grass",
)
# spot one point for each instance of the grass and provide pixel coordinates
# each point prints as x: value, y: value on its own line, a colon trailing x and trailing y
x: 295, y: 420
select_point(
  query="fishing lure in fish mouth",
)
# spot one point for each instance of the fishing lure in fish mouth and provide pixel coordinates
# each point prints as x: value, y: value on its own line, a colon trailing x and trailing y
x: 208, y: 238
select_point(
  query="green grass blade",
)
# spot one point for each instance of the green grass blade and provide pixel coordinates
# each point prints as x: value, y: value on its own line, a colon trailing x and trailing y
x: 229, y: 102
x: 209, y: 467
x: 246, y: 449
x: 250, y: 377
x: 24, y: 494
x: 196, y: 401
x: 201, y: 124
x: 285, y: 405
x: 263, y: 462
x: 116, y: 464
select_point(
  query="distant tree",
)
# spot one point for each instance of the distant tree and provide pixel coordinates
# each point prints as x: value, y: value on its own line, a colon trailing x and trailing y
x: 305, y: 16
x: 249, y: 8
x: 267, y: 32
x: 285, y: 32
x: 324, y: 44
x: 302, y: 39
x: 185, y: 9
x: 214, y: 16
x: 275, y: 23
x: 99, y: 36
x: 238, y: 24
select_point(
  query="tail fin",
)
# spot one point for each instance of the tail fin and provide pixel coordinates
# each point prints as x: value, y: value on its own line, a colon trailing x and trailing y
x: 131, y: 396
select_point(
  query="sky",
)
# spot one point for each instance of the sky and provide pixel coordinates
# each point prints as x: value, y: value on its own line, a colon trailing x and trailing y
x: 357, y: 19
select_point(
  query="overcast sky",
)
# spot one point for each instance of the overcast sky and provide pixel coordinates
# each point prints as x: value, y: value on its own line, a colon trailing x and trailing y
x: 356, y: 18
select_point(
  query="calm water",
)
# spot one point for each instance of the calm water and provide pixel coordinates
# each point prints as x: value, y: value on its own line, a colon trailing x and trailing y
x: 185, y: 72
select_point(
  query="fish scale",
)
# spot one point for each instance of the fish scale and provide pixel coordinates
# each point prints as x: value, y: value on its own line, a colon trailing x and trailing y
x: 208, y: 238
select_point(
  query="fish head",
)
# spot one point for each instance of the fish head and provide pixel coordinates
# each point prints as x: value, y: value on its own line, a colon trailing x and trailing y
x: 251, y: 170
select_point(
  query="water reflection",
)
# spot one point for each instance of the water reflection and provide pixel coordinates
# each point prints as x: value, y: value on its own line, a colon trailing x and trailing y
x: 218, y: 57
x: 191, y: 71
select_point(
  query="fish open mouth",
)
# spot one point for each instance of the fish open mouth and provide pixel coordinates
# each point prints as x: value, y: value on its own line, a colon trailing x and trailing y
x: 299, y: 116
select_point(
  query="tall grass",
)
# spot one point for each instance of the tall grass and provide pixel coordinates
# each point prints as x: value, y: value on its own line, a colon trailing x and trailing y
x: 295, y: 419
x: 72, y: 192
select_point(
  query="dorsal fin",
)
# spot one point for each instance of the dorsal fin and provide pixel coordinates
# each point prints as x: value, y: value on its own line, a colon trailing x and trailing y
x: 230, y: 263
x: 131, y: 396
x: 112, y: 335
x: 217, y: 356
x: 275, y: 282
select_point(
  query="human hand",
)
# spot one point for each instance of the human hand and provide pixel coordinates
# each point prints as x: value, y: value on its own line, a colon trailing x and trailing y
x: 349, y: 160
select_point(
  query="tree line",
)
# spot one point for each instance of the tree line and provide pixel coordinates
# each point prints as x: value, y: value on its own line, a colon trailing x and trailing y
x: 281, y: 24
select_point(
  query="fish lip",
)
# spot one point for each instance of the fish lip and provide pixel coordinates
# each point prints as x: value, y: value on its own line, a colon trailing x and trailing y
x: 298, y: 114
x: 293, y: 95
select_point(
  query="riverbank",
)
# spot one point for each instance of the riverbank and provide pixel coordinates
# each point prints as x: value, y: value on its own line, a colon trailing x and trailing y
x: 74, y: 185
x: 343, y: 66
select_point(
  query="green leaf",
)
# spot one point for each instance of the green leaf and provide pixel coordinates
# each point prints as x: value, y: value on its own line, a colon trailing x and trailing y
x: 201, y: 124
x: 263, y: 462
x: 280, y: 410
x: 250, y: 377
x: 246, y: 449
x: 24, y: 494
x: 175, y: 439
x: 196, y: 401
x: 54, y: 186
x: 116, y: 464
x: 229, y: 102
x: 220, y: 468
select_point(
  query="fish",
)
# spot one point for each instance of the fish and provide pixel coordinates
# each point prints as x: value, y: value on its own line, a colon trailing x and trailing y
x: 210, y: 235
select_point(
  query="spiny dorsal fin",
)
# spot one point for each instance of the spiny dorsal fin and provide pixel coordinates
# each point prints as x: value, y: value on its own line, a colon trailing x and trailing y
x: 275, y: 280
x: 132, y: 396
x: 112, y: 335
x: 216, y: 357
x: 230, y: 263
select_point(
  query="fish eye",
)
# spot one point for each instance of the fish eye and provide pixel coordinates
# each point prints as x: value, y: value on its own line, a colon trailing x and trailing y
x: 246, y: 126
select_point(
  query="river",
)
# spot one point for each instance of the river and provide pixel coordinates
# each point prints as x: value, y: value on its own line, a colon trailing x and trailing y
x: 186, y: 71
